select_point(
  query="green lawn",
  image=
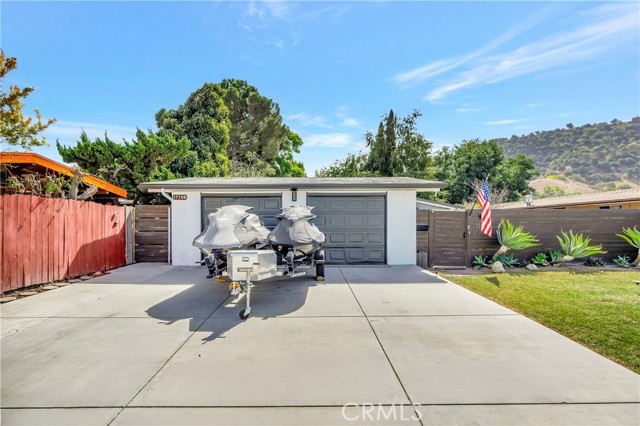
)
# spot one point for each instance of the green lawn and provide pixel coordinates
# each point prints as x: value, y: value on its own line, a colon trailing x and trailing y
x: 600, y: 309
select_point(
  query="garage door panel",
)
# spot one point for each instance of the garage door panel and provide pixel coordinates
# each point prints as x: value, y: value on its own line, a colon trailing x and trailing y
x: 354, y: 227
x: 336, y: 238
x: 375, y: 256
x: 375, y: 238
x: 267, y: 208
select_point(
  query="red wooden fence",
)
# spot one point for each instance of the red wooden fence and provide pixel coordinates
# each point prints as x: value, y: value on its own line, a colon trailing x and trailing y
x: 48, y: 239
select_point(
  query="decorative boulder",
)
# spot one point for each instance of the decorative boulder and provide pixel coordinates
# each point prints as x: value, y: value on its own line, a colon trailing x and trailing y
x: 531, y: 267
x: 497, y: 268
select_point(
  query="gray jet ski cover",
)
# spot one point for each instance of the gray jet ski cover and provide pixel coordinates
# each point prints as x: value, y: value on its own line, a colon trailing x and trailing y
x: 295, y: 229
x: 232, y: 227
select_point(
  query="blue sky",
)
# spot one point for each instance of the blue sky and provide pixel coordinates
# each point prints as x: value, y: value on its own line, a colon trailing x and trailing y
x: 474, y: 69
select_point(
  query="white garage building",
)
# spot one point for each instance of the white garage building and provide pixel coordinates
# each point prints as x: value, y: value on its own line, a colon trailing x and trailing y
x: 365, y: 220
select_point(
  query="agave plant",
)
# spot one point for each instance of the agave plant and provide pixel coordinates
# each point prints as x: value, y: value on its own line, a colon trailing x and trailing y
x: 576, y: 246
x: 512, y: 238
x: 480, y: 262
x: 632, y: 236
x: 555, y: 255
x: 622, y: 261
x: 540, y: 259
x: 506, y: 259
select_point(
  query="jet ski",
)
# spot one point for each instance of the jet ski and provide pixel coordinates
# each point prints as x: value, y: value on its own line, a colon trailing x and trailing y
x: 229, y: 228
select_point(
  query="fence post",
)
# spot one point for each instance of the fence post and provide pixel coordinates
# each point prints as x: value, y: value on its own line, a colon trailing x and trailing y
x: 431, y: 240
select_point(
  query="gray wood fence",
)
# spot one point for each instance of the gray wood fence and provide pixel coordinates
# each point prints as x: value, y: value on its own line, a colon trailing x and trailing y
x: 454, y: 238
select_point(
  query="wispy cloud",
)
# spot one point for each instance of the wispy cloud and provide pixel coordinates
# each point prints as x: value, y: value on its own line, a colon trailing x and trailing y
x: 329, y: 140
x: 602, y: 29
x: 535, y: 105
x: 338, y: 119
x: 277, y: 22
x: 350, y: 122
x: 607, y: 27
x: 503, y: 122
x: 305, y: 120
x: 468, y: 109
x: 66, y: 130
x: 417, y: 75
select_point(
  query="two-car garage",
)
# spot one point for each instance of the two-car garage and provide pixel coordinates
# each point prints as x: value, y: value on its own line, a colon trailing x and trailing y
x: 354, y: 225
x: 365, y: 220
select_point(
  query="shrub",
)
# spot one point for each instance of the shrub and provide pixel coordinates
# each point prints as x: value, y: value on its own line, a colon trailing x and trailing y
x: 593, y: 261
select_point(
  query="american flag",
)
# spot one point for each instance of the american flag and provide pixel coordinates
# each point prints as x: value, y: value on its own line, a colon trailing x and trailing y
x: 485, y: 203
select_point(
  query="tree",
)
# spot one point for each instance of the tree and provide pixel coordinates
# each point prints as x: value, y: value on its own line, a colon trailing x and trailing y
x: 396, y: 150
x: 204, y: 120
x: 355, y: 165
x: 145, y: 158
x: 15, y: 128
x: 233, y: 130
x: 412, y: 155
x: 258, y: 134
x: 474, y: 160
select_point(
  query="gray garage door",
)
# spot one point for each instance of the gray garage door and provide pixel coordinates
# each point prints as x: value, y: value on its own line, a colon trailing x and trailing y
x: 265, y: 207
x: 354, y: 227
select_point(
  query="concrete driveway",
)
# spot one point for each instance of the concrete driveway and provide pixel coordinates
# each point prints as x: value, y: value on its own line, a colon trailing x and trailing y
x: 152, y: 344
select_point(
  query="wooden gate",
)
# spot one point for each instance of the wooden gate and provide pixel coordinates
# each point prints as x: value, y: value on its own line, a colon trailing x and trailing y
x: 152, y: 233
x: 447, y: 238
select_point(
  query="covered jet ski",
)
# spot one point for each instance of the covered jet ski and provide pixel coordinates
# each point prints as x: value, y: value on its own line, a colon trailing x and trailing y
x: 230, y: 227
x: 297, y: 241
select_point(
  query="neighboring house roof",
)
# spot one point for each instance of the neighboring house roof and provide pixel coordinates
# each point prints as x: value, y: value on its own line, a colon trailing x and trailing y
x: 437, y: 205
x: 32, y: 162
x: 297, y: 183
x: 622, y: 196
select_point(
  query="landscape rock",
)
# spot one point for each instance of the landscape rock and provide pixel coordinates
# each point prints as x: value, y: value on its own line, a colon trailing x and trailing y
x: 531, y: 267
x: 85, y: 277
x: 50, y: 287
x: 28, y: 293
x: 75, y: 280
x: 7, y: 299
x: 97, y: 274
x: 61, y: 284
x: 497, y: 268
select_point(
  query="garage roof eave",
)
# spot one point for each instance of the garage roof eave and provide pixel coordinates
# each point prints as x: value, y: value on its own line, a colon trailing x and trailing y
x: 297, y: 183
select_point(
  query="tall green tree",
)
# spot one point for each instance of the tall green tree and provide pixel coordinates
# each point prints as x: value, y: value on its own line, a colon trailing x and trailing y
x: 145, y: 158
x: 258, y: 134
x: 397, y: 149
x: 16, y: 129
x: 204, y: 120
x: 476, y: 159
x: 412, y: 156
x: 233, y: 130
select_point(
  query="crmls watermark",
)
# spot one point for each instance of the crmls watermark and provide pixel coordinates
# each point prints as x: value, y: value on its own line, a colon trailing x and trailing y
x: 375, y: 412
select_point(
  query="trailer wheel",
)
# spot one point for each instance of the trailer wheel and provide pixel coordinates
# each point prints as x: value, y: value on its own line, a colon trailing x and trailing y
x: 320, y: 272
x: 320, y: 265
x: 244, y: 315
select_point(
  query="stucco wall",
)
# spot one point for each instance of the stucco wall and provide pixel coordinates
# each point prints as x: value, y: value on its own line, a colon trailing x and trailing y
x: 185, y: 226
x: 401, y: 228
x: 401, y: 224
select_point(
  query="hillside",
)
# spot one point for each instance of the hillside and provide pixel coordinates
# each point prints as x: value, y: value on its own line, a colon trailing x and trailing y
x: 597, y: 154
